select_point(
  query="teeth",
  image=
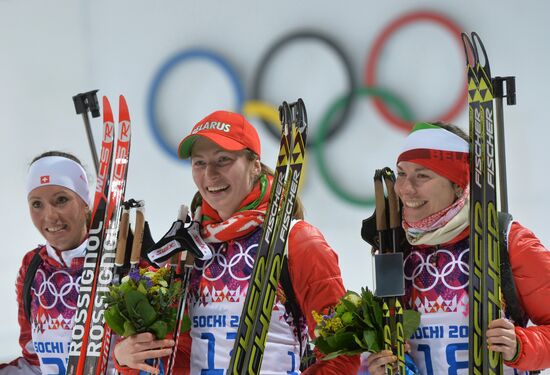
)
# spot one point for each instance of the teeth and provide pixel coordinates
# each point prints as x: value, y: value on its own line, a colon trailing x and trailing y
x: 414, y: 204
x: 55, y: 229
x: 214, y: 189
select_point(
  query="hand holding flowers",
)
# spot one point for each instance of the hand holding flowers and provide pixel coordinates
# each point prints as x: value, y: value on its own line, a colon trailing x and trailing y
x: 355, y: 325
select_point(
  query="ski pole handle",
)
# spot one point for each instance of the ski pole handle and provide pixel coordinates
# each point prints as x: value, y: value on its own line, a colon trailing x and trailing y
x: 393, y: 208
x: 122, y: 237
x: 138, y: 234
x: 381, y: 217
x: 82, y: 103
x: 498, y: 87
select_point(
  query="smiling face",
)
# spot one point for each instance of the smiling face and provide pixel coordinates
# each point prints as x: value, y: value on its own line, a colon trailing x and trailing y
x: 60, y: 215
x: 224, y: 178
x: 422, y: 191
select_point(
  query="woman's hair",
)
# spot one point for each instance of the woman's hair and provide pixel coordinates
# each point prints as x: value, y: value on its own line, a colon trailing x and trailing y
x: 70, y: 157
x: 453, y: 129
x: 57, y: 153
x: 297, y: 212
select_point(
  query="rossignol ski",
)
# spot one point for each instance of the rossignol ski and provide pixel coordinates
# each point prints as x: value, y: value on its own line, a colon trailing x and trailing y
x: 95, y: 241
x: 484, y: 292
x: 254, y: 323
x: 90, y: 344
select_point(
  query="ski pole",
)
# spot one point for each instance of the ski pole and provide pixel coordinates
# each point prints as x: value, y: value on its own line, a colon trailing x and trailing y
x: 395, y: 224
x: 381, y: 228
x: 82, y: 103
x: 498, y: 87
x: 185, y: 261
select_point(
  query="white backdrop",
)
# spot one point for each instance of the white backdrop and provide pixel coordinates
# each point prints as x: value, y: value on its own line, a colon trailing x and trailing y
x: 53, y: 50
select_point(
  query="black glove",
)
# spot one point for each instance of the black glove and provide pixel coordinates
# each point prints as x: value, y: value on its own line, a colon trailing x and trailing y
x: 182, y: 236
x: 371, y: 235
x: 148, y: 241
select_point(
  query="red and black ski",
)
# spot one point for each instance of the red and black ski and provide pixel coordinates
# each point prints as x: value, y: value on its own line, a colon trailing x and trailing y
x: 95, y: 242
x: 97, y: 353
x: 91, y: 342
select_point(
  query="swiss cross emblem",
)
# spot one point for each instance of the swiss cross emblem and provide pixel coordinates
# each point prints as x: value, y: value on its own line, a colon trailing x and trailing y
x: 44, y: 179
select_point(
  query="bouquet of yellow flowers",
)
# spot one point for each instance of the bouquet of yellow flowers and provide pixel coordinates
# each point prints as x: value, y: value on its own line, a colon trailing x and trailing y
x: 143, y: 302
x: 355, y: 325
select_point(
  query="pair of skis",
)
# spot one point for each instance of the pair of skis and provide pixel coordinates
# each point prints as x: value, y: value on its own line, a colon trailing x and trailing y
x: 90, y: 343
x: 390, y: 263
x: 485, y: 280
x: 254, y: 323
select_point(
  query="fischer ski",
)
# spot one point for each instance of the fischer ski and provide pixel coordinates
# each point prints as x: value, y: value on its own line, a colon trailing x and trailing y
x: 89, y: 353
x: 485, y: 291
x: 254, y: 322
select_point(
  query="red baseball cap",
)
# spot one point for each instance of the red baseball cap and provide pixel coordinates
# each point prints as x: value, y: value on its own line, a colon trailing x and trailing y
x: 229, y: 130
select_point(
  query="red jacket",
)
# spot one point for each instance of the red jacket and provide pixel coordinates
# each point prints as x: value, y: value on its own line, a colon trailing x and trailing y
x: 25, y: 337
x: 530, y: 262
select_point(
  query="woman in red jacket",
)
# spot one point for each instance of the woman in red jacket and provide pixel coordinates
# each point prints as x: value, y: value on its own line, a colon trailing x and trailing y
x: 233, y: 193
x: 59, y: 205
x: 433, y: 185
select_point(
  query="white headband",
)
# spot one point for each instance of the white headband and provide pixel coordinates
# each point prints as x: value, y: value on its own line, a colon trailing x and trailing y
x: 58, y: 170
x: 434, y: 138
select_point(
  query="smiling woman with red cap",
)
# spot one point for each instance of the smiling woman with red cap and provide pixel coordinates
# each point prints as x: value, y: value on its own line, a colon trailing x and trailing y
x: 433, y: 185
x: 233, y: 193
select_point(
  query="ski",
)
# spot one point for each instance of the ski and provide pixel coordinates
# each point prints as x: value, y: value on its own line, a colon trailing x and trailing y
x: 484, y: 289
x: 86, y: 293
x: 491, y: 269
x: 394, y: 220
x: 97, y: 352
x: 251, y: 336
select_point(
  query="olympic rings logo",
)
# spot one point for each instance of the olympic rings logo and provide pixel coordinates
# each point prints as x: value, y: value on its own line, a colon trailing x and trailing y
x: 425, y: 270
x: 334, y: 119
x: 218, y: 265
x: 48, y: 293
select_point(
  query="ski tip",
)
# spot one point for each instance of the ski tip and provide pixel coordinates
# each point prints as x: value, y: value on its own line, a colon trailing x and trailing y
x: 107, y: 111
x: 123, y: 113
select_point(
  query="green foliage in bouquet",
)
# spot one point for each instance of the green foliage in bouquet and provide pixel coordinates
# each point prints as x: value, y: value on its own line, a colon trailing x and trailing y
x: 355, y: 325
x: 143, y: 302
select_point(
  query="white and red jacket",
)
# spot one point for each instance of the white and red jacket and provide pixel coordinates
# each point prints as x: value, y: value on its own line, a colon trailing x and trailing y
x: 436, y: 279
x: 216, y: 296
x: 45, y: 339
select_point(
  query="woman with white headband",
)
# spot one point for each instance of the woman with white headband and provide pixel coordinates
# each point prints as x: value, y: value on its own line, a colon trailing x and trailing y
x: 433, y: 185
x: 59, y: 205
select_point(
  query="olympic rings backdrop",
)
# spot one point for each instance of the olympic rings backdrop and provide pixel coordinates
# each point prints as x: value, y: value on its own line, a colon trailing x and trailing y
x: 388, y: 104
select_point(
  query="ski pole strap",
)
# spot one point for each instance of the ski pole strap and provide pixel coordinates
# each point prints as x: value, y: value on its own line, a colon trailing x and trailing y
x: 292, y: 305
x: 36, y: 261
